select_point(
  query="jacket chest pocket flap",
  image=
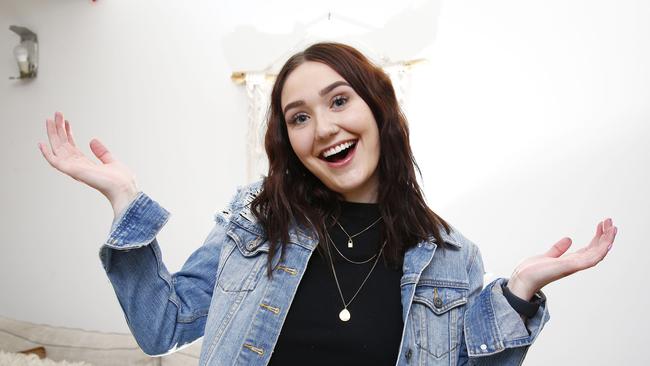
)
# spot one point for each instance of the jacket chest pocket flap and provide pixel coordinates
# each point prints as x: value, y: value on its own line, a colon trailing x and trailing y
x: 438, y: 316
x: 244, y: 264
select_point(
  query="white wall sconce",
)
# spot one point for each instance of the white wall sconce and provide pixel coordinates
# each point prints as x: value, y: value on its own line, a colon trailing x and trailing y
x: 26, y: 53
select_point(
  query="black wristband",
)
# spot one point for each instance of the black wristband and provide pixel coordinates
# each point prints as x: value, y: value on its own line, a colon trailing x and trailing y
x: 523, y: 307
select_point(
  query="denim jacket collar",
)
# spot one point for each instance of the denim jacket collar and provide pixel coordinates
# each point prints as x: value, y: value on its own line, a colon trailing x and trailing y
x: 306, y: 237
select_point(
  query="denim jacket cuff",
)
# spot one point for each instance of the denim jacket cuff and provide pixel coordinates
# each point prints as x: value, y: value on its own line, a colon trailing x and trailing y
x: 492, y: 325
x: 138, y: 225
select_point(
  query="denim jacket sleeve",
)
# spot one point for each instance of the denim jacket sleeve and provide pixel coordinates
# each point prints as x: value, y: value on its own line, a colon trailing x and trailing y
x: 494, y: 333
x: 163, y: 311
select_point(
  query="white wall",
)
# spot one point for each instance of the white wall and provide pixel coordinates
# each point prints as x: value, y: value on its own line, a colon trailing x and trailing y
x: 529, y: 122
x: 149, y: 80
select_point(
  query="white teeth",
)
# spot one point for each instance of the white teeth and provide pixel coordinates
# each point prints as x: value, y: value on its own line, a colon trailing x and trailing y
x: 337, y: 148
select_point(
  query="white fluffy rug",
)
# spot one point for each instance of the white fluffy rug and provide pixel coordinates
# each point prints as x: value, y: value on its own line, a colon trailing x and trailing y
x: 18, y: 359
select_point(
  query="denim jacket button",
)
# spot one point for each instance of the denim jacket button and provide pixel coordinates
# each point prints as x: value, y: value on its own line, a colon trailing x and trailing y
x: 483, y: 347
x: 408, y: 354
x: 437, y: 302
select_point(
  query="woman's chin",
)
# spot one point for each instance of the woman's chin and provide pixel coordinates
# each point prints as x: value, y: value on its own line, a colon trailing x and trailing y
x: 363, y: 191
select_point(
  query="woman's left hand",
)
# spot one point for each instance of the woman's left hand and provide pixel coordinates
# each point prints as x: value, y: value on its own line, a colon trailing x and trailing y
x: 536, y: 272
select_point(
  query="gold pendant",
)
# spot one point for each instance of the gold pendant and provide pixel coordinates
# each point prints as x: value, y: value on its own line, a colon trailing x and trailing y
x: 350, y: 243
x: 344, y: 315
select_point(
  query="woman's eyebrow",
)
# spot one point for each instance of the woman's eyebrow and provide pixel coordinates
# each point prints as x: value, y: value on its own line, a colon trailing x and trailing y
x: 330, y: 87
x: 325, y: 90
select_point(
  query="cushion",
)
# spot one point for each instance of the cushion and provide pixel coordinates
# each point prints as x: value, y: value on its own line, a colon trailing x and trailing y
x: 97, y: 348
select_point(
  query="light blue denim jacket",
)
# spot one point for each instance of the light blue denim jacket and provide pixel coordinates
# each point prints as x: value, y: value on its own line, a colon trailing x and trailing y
x: 222, y: 293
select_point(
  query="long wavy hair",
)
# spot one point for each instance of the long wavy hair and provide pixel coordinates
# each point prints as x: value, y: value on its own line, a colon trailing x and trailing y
x: 291, y: 194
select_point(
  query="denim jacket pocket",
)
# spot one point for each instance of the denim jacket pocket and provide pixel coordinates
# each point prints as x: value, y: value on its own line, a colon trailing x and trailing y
x: 438, y: 309
x: 244, y: 264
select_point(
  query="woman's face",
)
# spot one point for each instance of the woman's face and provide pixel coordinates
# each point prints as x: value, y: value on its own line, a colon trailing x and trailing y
x: 332, y: 131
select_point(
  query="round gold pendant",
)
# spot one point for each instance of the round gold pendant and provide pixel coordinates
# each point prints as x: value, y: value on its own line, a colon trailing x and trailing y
x: 344, y: 315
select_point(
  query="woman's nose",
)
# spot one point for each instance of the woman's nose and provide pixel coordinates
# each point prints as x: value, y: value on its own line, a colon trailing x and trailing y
x: 326, y: 127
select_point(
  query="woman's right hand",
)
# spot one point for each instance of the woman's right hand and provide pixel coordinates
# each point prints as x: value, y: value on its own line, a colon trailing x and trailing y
x: 110, y: 177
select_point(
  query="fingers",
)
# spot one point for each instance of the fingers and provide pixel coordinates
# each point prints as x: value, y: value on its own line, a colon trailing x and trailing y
x: 60, y: 127
x: 100, y: 151
x: 599, y: 229
x: 68, y: 131
x: 52, y: 136
x: 606, y: 232
x: 47, y: 154
x: 604, y: 244
x: 559, y: 248
x: 611, y: 234
x: 602, y: 229
x: 58, y: 132
x: 607, y: 224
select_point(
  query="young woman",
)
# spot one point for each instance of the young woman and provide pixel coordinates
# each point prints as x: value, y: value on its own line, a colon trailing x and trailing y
x: 334, y: 257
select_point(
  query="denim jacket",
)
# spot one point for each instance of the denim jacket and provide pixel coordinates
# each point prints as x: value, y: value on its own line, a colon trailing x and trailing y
x: 222, y: 293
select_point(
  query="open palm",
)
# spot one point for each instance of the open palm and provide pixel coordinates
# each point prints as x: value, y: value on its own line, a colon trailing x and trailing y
x: 109, y: 176
x: 536, y: 272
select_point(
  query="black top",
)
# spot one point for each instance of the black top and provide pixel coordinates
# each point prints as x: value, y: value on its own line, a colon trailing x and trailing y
x: 313, y: 334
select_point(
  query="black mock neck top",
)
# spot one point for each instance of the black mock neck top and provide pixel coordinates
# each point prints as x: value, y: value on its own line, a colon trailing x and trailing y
x: 313, y: 334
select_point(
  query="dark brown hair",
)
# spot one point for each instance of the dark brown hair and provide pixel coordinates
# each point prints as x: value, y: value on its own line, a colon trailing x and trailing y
x: 291, y: 194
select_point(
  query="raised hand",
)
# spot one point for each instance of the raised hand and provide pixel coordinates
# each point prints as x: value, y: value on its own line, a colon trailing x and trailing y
x: 536, y: 272
x: 109, y: 176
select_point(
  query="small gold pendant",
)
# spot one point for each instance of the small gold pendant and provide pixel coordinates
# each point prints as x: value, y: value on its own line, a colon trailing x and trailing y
x: 350, y: 243
x: 344, y: 315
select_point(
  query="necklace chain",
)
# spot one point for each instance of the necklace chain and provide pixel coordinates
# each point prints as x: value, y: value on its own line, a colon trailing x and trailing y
x: 346, y: 258
x: 350, y: 241
x: 345, y: 313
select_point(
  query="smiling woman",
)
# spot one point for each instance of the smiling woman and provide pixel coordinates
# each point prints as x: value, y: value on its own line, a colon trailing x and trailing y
x: 326, y: 99
x: 332, y: 131
x: 291, y: 274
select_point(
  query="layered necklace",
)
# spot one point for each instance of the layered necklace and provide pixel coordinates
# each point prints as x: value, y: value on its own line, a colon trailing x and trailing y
x: 345, y: 315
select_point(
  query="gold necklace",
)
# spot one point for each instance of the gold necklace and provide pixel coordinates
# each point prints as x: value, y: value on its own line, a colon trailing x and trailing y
x: 345, y: 315
x: 344, y: 257
x: 350, y: 242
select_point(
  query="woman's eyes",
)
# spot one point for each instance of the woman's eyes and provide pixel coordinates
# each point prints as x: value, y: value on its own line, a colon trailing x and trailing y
x: 297, y: 118
x: 338, y: 102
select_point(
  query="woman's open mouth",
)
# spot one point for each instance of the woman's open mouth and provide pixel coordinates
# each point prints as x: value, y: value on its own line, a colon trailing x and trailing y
x: 340, y: 154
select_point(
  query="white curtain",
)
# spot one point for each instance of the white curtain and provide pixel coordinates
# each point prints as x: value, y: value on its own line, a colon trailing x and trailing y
x: 258, y: 91
x: 400, y: 76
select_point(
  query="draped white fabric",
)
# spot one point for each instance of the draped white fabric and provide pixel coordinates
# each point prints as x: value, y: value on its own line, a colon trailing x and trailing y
x: 400, y: 76
x: 258, y: 91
